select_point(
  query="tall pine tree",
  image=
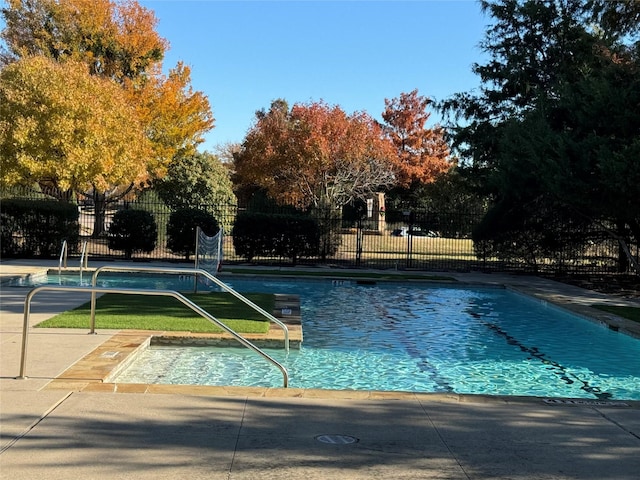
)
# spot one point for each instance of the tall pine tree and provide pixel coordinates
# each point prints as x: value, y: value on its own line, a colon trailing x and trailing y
x: 552, y: 136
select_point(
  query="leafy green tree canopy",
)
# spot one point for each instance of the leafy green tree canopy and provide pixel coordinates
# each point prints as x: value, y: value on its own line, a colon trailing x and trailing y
x: 194, y: 180
x: 201, y: 181
x: 556, y: 121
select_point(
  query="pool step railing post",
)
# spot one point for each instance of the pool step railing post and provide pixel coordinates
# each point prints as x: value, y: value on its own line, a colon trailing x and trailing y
x: 84, y: 259
x: 63, y: 257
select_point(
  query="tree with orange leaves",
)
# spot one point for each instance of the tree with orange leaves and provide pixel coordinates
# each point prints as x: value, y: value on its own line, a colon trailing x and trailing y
x: 315, y: 155
x: 117, y: 43
x: 115, y: 39
x: 423, y: 153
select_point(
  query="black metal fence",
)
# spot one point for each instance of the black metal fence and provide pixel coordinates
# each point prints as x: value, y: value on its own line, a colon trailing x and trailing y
x: 402, y: 240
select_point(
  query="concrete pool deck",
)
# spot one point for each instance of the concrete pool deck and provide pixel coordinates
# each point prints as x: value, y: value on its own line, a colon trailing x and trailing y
x: 64, y: 428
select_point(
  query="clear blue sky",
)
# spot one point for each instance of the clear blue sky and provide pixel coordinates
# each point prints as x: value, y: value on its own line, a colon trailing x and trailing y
x: 244, y: 54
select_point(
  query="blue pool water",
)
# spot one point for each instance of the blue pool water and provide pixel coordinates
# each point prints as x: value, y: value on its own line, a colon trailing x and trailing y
x: 111, y: 279
x: 419, y: 338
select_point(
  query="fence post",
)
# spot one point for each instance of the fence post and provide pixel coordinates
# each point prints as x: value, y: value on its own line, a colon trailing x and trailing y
x: 409, y: 217
x: 359, y: 240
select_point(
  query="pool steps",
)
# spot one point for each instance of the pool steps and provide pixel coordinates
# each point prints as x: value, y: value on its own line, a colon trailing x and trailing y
x: 287, y: 309
x: 108, y: 360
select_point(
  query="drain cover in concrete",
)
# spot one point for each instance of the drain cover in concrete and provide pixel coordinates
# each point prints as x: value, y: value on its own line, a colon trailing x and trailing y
x: 110, y: 354
x: 335, y: 439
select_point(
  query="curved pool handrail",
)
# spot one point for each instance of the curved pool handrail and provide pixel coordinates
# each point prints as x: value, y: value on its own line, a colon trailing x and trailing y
x: 184, y: 271
x: 136, y: 291
x: 84, y: 259
x: 63, y: 257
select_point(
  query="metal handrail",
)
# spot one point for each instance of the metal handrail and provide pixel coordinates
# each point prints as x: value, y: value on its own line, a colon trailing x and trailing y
x: 135, y: 291
x: 84, y: 258
x: 63, y: 255
x: 64, y: 251
x: 184, y: 271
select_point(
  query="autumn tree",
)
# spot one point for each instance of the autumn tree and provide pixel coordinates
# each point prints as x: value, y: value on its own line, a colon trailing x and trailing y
x: 315, y: 155
x: 115, y: 39
x: 117, y: 42
x: 173, y: 114
x: 226, y: 152
x: 423, y: 153
x: 62, y: 127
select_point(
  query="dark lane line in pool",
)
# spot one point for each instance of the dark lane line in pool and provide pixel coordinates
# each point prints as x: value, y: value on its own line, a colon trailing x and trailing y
x: 414, y: 352
x: 555, y: 367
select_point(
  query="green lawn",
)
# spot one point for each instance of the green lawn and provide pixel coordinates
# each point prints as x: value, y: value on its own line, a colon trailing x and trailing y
x: 139, y: 312
x: 631, y: 313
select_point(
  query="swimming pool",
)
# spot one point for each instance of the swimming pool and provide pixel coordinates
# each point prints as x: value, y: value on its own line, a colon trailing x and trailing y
x: 111, y: 279
x: 418, y: 338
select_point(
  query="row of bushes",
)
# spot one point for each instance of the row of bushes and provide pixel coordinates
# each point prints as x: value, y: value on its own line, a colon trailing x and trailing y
x: 254, y: 234
x: 136, y: 231
x: 276, y: 235
x: 38, y: 228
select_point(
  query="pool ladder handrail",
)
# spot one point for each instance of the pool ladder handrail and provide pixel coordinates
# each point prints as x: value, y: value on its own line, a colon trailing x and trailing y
x: 136, y: 291
x: 63, y: 257
x: 183, y: 271
x: 64, y: 251
x: 84, y: 259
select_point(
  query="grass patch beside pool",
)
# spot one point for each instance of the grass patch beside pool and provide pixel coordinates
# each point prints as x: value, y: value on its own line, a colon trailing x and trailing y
x: 630, y: 313
x: 139, y: 312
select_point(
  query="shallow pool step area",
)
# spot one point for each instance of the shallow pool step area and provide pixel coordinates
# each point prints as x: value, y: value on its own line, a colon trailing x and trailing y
x: 104, y: 362
x: 109, y: 359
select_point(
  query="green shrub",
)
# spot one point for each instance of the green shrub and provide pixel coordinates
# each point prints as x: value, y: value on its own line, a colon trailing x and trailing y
x: 37, y: 228
x: 150, y: 201
x: 8, y: 244
x: 133, y: 231
x: 281, y: 235
x: 181, y: 229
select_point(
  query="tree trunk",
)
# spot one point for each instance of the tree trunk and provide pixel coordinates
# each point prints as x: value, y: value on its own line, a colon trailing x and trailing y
x: 623, y: 260
x: 100, y: 210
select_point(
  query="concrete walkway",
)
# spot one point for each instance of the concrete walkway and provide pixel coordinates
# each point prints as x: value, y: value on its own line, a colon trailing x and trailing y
x: 67, y: 434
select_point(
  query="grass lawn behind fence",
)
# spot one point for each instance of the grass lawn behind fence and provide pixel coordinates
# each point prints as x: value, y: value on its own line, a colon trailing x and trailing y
x: 631, y: 313
x: 139, y: 312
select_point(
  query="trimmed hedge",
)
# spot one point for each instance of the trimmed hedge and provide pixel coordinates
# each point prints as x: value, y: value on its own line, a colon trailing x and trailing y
x: 181, y: 229
x: 133, y: 231
x: 37, y: 228
x: 275, y: 235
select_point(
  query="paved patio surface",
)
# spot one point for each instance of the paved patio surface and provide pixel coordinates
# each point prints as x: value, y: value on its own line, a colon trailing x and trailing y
x: 55, y: 430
